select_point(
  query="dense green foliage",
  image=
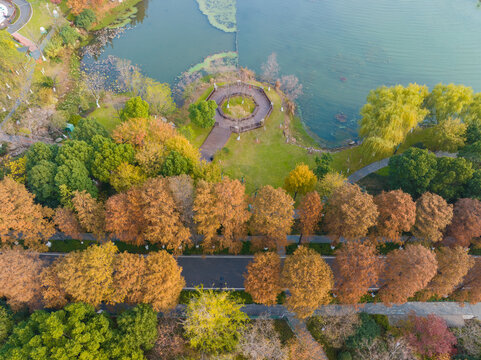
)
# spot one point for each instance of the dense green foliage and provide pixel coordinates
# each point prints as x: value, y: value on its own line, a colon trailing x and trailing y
x: 6, y: 323
x: 323, y: 165
x: 135, y: 108
x: 68, y: 35
x: 86, y: 129
x: 368, y: 330
x: 78, y: 332
x: 202, y: 114
x: 176, y: 164
x: 85, y: 19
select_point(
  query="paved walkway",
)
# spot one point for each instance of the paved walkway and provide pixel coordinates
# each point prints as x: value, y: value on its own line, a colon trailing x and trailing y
x: 225, y: 125
x: 375, y: 166
x: 24, y: 17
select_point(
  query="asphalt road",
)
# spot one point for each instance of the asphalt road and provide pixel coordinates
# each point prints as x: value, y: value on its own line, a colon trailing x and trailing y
x: 24, y: 18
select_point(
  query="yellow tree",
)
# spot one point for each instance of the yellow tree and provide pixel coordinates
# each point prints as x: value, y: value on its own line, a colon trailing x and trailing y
x: 300, y: 180
x: 127, y: 279
x: 232, y: 213
x: 273, y: 215
x: 127, y: 176
x: 309, y: 280
x: 329, y: 183
x: 90, y: 213
x: 206, y: 214
x: 20, y: 216
x: 162, y: 281
x: 350, y: 213
x: 389, y: 114
x: 448, y: 101
x: 263, y: 278
x: 164, y: 224
x: 310, y: 213
x: 19, y: 278
x: 87, y: 275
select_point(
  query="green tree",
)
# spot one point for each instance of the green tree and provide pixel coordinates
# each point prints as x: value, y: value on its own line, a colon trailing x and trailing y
x: 68, y: 35
x: 412, y: 171
x: 41, y: 182
x: 473, y: 131
x: 135, y: 108
x: 472, y: 153
x: 176, y: 164
x: 85, y: 19
x: 452, y: 177
x: 40, y: 151
x: 214, y: 322
x: 473, y: 186
x: 448, y: 135
x: 449, y: 101
x: 74, y: 150
x: 6, y: 323
x: 159, y: 97
x: 86, y: 129
x: 367, y: 331
x: 74, y: 175
x: 389, y: 114
x: 202, y: 114
x: 108, y: 156
x: 323, y: 165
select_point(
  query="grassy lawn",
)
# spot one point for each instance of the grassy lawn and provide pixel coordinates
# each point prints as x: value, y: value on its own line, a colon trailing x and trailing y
x: 262, y: 156
x: 41, y: 17
x: 107, y: 116
x: 238, y: 107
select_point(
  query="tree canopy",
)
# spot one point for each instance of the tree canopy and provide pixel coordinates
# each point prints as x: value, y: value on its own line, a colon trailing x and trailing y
x: 202, y: 113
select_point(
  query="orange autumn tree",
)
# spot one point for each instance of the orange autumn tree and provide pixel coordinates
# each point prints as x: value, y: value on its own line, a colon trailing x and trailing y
x: 466, y: 223
x: 67, y: 222
x: 53, y: 293
x: 453, y: 265
x: 263, y: 278
x: 272, y: 215
x: 163, y: 222
x: 406, y: 272
x: 350, y: 213
x: 309, y: 280
x: 357, y: 268
x: 95, y: 267
x: 90, y: 213
x: 182, y: 189
x: 20, y: 216
x: 470, y: 288
x: 232, y: 213
x: 127, y: 278
x: 433, y: 214
x: 19, y: 278
x: 397, y: 214
x: 206, y: 214
x: 310, y: 213
x: 162, y: 281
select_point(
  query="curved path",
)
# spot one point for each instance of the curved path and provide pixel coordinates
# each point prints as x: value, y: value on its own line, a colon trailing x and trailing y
x: 25, y: 15
x: 378, y: 165
x: 225, y: 126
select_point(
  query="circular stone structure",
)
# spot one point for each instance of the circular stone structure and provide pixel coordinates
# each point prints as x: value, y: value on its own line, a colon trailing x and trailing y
x: 263, y: 106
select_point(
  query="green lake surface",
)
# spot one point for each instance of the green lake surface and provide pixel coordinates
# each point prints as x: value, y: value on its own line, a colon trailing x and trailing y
x: 339, y: 49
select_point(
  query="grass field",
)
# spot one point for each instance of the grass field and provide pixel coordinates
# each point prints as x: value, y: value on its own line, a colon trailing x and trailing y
x: 238, y: 107
x: 41, y: 17
x: 262, y: 156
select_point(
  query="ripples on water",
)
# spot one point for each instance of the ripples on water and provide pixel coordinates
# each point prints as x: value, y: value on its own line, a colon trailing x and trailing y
x: 339, y: 49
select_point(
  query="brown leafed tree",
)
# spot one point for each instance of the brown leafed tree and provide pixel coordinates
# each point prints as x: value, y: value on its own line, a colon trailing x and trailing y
x: 67, y: 222
x: 357, y: 268
x: 303, y: 348
x: 124, y: 216
x: 127, y: 278
x: 233, y: 213
x: 206, y: 214
x: 182, y: 190
x: 350, y: 213
x: 19, y: 215
x: 53, y: 293
x: 453, y: 265
x: 397, y: 214
x: 90, y: 213
x: 470, y: 289
x: 466, y: 223
x: 19, y: 278
x: 273, y: 215
x: 164, y: 224
x: 170, y: 343
x: 263, y: 278
x: 162, y: 281
x: 310, y: 213
x: 261, y: 341
x: 87, y: 275
x: 433, y: 214
x: 407, y: 271
x: 309, y: 280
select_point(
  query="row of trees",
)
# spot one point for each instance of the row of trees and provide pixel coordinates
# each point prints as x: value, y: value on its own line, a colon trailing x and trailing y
x: 402, y: 274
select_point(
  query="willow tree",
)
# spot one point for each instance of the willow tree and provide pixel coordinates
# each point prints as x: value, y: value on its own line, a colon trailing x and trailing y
x: 389, y: 114
x: 446, y: 101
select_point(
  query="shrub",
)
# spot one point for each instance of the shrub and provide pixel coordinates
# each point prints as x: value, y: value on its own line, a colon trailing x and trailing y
x: 345, y: 355
x: 366, y: 332
x: 85, y: 19
x: 68, y: 35
x: 382, y: 320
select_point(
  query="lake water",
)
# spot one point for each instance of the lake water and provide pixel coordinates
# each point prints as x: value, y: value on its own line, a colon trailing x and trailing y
x: 339, y: 49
